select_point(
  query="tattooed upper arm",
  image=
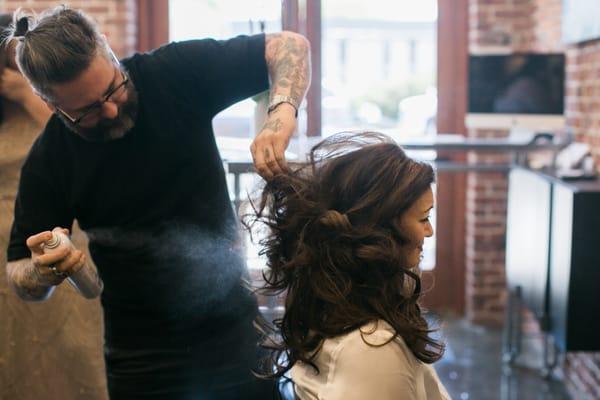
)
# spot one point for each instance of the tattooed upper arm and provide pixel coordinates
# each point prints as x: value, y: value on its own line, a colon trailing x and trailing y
x: 288, y: 58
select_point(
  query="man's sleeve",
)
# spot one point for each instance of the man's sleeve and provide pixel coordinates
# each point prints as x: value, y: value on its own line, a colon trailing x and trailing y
x: 38, y: 207
x: 219, y: 73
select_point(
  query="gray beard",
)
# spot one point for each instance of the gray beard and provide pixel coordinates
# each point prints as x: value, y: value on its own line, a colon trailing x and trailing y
x: 110, y: 129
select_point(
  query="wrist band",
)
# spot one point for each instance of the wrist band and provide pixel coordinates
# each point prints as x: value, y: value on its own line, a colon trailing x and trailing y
x: 278, y: 99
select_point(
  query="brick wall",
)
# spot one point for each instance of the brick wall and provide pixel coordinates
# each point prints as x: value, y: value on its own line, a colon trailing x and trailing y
x: 495, y: 27
x: 498, y: 27
x: 514, y: 25
x: 501, y: 24
x: 582, y: 370
x: 583, y: 93
x: 510, y: 26
x: 546, y: 22
x: 485, y: 229
x: 115, y: 18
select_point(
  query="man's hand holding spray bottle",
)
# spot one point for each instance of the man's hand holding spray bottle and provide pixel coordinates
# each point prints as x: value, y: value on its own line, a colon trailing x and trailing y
x: 56, y: 258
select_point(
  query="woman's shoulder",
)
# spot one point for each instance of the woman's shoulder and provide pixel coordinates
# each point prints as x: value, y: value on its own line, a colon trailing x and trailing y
x: 373, y: 347
x: 374, y: 333
x: 368, y: 362
x: 376, y: 340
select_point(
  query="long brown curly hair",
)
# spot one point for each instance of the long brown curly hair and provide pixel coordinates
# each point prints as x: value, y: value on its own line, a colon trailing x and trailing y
x: 334, y: 248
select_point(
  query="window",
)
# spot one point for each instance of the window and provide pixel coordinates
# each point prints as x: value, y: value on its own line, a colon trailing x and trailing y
x: 223, y: 19
x: 309, y: 17
x: 379, y: 66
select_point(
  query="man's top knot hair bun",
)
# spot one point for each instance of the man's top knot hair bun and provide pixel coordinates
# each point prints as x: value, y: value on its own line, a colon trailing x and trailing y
x: 21, y: 27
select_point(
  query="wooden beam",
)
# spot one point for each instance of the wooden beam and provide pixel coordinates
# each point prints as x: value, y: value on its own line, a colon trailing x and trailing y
x: 152, y: 24
x: 448, y: 292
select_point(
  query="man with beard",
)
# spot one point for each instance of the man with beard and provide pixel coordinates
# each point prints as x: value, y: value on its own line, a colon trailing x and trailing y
x: 130, y: 153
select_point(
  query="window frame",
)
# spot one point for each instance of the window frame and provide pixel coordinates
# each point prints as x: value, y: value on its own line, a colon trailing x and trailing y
x: 304, y: 16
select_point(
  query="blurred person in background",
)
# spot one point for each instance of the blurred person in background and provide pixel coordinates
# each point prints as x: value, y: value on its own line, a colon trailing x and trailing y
x: 13, y: 85
x: 40, y: 358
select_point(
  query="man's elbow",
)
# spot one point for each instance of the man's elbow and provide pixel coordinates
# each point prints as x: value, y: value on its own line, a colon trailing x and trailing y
x: 299, y: 38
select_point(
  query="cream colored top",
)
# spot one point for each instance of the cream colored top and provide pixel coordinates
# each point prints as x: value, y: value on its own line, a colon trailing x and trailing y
x: 350, y: 369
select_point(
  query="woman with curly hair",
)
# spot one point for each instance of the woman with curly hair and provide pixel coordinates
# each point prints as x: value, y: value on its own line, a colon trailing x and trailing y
x: 344, y: 240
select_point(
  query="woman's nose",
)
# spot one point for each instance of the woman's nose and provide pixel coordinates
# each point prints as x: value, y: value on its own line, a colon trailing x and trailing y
x: 429, y: 230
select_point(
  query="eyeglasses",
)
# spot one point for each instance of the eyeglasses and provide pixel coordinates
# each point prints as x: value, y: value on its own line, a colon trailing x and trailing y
x: 96, y: 108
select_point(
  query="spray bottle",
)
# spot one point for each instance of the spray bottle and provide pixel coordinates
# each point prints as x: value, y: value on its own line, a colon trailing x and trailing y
x: 86, y: 280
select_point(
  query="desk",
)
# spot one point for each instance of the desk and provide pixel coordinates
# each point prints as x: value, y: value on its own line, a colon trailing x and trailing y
x: 553, y: 258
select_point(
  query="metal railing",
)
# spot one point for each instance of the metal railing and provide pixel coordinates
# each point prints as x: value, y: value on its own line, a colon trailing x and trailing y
x: 445, y: 144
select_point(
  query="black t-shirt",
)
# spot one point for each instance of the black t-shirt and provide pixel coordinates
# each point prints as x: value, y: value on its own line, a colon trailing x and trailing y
x: 154, y: 203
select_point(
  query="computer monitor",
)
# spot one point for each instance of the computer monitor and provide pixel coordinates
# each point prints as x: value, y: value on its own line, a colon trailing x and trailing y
x: 516, y: 84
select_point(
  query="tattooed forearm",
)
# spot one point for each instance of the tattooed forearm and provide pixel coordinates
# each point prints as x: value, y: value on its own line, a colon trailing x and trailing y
x: 24, y: 278
x: 288, y: 58
x: 273, y: 125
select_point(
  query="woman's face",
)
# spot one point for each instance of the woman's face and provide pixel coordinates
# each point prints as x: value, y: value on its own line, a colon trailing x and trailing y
x: 415, y: 226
